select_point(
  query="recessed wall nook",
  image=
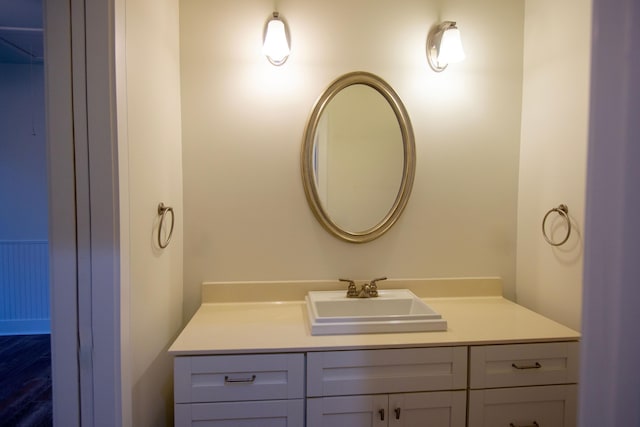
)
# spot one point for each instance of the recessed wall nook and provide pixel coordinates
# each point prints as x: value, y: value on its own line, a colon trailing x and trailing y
x: 227, y: 126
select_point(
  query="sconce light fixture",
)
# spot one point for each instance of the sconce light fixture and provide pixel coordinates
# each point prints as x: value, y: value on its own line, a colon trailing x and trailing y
x: 276, y: 40
x: 444, y: 46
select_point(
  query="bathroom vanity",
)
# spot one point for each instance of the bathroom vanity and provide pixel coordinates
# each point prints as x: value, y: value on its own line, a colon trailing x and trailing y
x: 247, y: 358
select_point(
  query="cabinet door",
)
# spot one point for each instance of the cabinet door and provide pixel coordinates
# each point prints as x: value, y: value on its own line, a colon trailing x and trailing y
x: 348, y: 411
x: 434, y: 409
x: 544, y: 406
x: 268, y: 413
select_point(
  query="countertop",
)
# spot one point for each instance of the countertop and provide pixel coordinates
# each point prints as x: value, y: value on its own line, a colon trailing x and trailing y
x: 236, y: 325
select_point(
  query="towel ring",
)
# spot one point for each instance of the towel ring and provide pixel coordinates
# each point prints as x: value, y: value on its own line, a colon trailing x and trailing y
x: 162, y: 212
x: 563, y: 211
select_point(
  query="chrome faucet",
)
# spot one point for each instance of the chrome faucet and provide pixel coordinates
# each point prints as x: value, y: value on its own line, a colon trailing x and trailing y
x: 368, y: 290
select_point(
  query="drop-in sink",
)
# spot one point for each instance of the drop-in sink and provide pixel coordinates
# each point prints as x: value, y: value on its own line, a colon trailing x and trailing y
x: 394, y: 310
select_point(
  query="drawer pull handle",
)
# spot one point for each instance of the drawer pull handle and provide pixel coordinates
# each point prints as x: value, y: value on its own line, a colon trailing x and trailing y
x: 247, y: 380
x: 397, y: 411
x: 536, y: 366
x: 535, y: 424
x: 381, y: 412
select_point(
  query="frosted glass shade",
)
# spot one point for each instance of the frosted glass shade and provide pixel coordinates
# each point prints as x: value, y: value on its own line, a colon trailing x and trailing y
x: 444, y: 46
x: 276, y: 45
x: 450, y: 47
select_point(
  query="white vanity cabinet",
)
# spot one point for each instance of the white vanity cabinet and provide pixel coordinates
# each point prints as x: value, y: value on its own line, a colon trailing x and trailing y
x: 522, y: 385
x: 395, y: 387
x: 255, y: 363
x: 511, y: 385
x: 233, y: 390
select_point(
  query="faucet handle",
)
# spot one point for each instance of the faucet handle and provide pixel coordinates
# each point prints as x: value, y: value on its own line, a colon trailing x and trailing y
x: 374, y: 286
x: 352, y: 290
x: 373, y: 282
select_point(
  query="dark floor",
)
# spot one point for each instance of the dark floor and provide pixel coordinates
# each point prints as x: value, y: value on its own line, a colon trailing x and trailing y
x: 25, y: 381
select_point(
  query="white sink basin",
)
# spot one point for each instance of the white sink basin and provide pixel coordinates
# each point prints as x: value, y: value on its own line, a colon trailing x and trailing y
x: 394, y: 310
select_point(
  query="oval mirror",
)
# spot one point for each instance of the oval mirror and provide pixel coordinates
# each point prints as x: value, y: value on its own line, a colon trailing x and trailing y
x: 358, y: 157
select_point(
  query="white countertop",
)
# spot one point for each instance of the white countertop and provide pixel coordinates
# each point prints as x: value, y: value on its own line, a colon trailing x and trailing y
x: 263, y: 326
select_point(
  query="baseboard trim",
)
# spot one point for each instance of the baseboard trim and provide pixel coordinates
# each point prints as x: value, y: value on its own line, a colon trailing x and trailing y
x: 25, y: 327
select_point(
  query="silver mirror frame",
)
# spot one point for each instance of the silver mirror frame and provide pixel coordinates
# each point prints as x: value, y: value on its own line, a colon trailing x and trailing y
x: 408, y: 142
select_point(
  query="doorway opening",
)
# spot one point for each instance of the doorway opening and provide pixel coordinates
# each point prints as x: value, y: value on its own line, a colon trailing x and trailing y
x: 25, y: 347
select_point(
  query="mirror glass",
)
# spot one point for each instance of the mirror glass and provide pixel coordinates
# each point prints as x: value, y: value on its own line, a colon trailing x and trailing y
x: 358, y: 157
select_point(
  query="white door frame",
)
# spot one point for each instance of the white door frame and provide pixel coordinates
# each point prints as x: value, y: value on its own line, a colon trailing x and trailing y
x: 84, y: 219
x: 62, y: 214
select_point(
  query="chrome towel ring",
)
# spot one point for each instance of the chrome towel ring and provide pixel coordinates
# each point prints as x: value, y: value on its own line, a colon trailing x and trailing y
x: 563, y: 211
x: 162, y: 212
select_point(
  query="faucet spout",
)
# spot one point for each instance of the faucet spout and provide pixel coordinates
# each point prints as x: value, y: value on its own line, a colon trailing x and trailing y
x: 365, y: 291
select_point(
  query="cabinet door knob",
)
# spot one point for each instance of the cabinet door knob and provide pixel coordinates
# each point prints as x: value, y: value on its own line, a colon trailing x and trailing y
x: 397, y: 411
x: 535, y: 424
x: 381, y: 412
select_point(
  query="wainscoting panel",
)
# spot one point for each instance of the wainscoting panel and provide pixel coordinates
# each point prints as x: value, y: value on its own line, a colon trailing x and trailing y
x: 24, y: 287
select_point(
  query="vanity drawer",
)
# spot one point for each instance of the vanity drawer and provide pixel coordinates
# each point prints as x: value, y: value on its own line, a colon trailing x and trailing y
x: 265, y: 413
x: 337, y: 373
x: 543, y: 406
x: 242, y: 377
x: 517, y: 365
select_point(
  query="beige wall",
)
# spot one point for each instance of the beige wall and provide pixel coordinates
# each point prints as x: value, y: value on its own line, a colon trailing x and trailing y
x: 553, y: 155
x: 246, y: 217
x: 151, y: 141
x: 23, y: 153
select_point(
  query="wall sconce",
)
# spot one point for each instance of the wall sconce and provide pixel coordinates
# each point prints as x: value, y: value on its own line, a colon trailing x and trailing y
x: 276, y: 40
x: 444, y: 46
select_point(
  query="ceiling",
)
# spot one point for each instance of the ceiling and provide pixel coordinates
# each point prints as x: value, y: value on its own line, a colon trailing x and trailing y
x: 21, y: 35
